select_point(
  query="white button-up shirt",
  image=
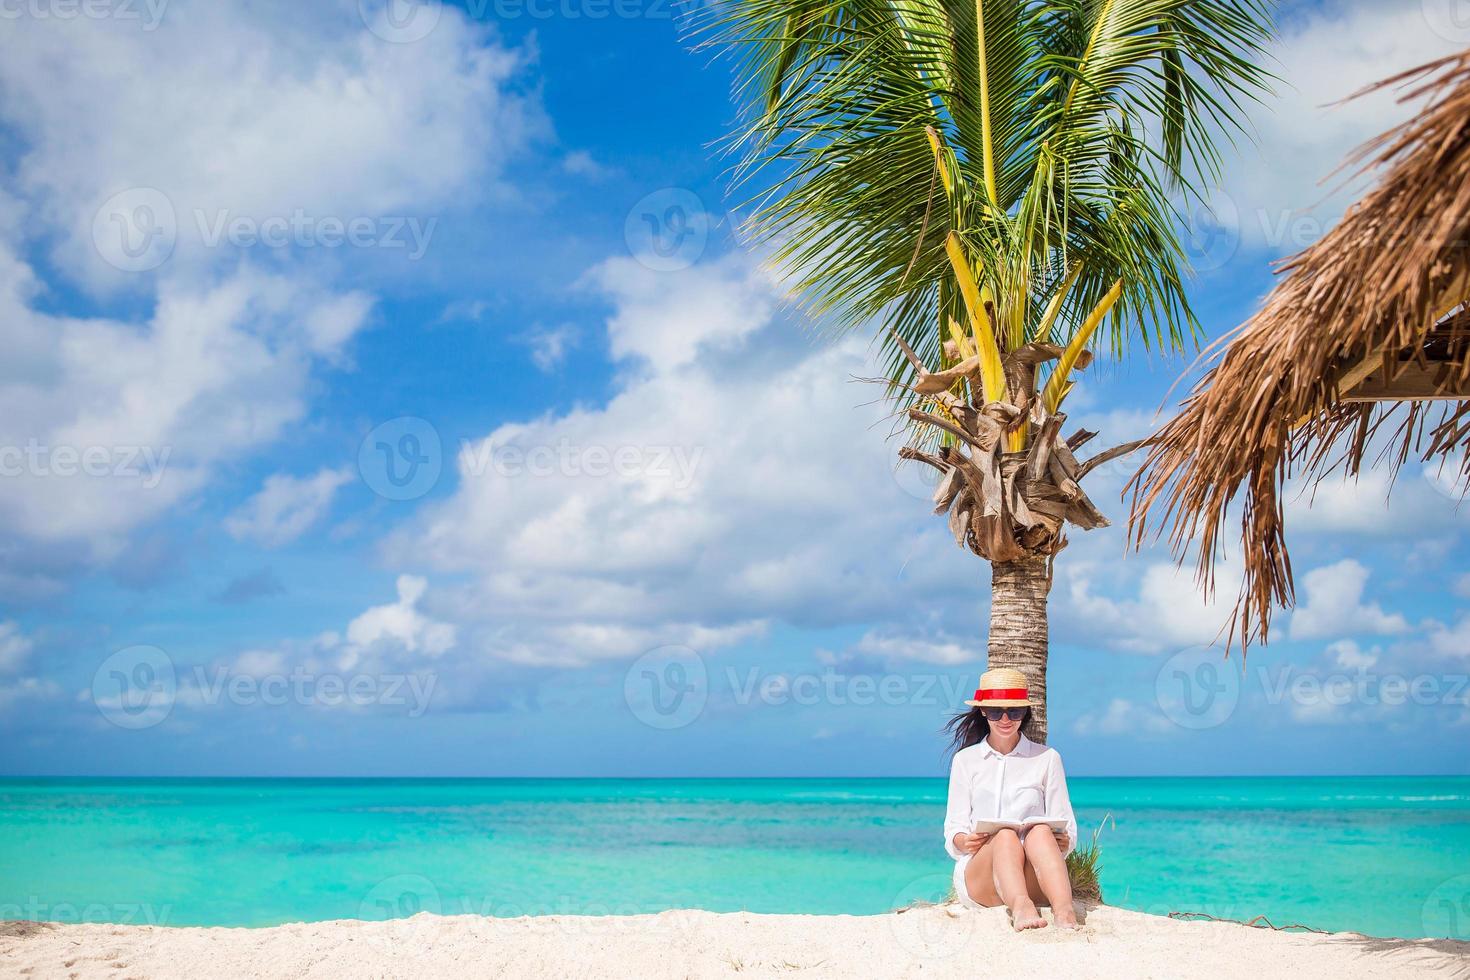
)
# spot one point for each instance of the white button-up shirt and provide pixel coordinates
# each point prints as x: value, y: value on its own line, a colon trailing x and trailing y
x: 1023, y: 784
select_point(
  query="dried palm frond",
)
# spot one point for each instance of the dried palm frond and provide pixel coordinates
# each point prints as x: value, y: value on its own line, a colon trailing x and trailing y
x: 1382, y: 292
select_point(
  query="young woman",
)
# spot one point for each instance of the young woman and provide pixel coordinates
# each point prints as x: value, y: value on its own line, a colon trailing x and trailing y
x: 1000, y: 774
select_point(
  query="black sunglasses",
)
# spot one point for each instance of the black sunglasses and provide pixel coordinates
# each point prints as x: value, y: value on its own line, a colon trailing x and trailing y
x: 995, y: 714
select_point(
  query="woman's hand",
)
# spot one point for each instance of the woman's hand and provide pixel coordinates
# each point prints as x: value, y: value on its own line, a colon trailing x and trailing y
x: 1062, y: 839
x: 970, y: 843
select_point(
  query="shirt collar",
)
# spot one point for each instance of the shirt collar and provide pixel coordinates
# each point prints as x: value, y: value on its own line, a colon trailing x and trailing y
x: 1023, y: 747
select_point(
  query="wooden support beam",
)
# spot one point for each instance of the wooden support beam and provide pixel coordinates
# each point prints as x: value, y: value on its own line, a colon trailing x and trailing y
x: 1411, y: 382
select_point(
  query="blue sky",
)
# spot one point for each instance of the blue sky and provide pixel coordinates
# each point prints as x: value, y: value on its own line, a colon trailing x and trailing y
x: 256, y: 262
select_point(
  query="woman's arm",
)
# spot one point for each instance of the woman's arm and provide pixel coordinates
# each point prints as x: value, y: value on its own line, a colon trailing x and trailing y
x: 1058, y: 801
x: 957, y: 812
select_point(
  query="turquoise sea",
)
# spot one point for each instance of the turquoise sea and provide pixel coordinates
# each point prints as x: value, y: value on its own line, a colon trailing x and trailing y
x: 1384, y: 856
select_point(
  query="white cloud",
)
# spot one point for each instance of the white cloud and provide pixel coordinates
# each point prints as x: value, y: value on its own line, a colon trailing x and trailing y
x: 260, y: 663
x: 1168, y: 610
x: 550, y: 345
x: 1122, y: 717
x: 1334, y: 606
x: 1450, y: 641
x: 1461, y: 587
x: 286, y: 506
x: 15, y: 647
x: 1347, y: 655
x: 156, y: 406
x: 26, y: 689
x: 580, y: 163
x: 1374, y: 504
x: 736, y: 478
x: 255, y: 112
x: 945, y: 650
x: 716, y: 304
x: 258, y: 111
x: 397, y: 625
x: 1324, y: 55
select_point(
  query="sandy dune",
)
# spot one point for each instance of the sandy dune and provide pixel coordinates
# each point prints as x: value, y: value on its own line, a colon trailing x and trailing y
x: 926, y: 942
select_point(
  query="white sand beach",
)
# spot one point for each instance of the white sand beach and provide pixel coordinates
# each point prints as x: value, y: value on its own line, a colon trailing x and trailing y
x: 931, y: 941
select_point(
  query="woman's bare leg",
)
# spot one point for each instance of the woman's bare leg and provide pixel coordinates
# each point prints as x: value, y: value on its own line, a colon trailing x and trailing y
x: 1045, y: 855
x: 980, y: 880
x: 1008, y: 864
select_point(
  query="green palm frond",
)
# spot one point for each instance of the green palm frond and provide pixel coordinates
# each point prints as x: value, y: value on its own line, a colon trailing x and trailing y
x: 1052, y: 138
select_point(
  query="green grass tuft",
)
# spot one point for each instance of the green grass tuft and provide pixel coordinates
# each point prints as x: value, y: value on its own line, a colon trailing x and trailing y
x: 1083, y: 864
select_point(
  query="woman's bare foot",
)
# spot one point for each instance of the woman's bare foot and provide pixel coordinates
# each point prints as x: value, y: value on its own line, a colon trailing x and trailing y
x: 1066, y: 918
x: 1025, y: 916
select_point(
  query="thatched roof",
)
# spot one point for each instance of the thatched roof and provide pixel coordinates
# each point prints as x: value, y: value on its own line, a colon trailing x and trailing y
x: 1372, y: 312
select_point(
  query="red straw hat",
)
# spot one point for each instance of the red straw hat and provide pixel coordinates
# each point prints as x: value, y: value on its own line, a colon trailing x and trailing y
x: 1002, y: 687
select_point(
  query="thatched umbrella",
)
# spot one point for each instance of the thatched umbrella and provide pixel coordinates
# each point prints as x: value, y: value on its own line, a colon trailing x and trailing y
x: 1363, y: 343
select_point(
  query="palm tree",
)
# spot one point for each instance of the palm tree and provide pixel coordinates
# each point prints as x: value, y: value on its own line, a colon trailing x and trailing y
x: 987, y: 181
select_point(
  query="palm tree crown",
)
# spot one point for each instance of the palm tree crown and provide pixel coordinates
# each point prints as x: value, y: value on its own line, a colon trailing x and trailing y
x: 1036, y: 147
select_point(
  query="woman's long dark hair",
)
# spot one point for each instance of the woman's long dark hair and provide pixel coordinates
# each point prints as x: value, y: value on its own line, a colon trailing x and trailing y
x: 970, y: 728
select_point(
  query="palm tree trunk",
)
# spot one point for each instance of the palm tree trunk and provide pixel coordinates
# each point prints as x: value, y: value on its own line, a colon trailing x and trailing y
x: 1018, y: 629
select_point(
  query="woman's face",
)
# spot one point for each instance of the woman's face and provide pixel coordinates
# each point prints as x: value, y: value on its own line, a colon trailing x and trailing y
x: 1004, y: 726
